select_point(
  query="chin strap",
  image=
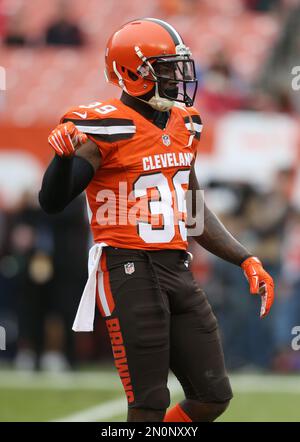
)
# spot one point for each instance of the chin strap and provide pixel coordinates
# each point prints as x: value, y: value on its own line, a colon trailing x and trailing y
x: 158, y: 103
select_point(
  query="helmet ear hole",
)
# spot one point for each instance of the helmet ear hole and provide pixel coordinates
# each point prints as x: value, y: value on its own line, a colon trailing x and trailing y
x: 132, y: 75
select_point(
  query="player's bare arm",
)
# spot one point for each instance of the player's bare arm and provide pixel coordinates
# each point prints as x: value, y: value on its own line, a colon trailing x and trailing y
x: 219, y: 241
x: 215, y: 237
x: 76, y: 160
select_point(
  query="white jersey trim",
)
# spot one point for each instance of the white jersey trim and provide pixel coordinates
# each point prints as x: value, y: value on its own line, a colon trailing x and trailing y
x: 107, y: 130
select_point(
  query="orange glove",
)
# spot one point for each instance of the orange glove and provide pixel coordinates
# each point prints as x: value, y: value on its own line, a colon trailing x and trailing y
x: 65, y: 138
x: 261, y: 283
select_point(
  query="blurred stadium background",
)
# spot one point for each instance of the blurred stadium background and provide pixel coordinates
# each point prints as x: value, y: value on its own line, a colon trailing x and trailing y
x: 52, y: 56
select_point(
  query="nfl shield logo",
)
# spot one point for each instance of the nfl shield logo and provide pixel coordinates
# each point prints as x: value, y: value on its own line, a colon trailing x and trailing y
x: 166, y: 140
x: 129, y: 268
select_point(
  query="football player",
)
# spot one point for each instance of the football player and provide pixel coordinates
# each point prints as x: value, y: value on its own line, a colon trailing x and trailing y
x: 134, y: 158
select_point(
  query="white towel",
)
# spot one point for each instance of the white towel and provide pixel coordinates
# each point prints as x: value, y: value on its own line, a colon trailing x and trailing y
x: 84, y: 320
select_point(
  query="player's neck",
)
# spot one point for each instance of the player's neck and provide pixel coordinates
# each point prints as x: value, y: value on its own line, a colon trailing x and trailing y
x: 158, y: 118
x: 139, y: 106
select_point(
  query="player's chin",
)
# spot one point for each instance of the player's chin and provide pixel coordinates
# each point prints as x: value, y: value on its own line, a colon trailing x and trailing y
x: 170, y: 92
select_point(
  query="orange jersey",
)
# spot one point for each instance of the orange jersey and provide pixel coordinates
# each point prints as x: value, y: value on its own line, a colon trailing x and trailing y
x: 137, y: 197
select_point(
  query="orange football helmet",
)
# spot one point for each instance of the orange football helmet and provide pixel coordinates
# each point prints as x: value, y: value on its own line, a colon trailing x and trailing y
x: 149, y: 55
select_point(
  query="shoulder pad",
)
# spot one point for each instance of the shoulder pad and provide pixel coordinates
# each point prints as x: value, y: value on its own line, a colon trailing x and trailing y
x: 104, y: 121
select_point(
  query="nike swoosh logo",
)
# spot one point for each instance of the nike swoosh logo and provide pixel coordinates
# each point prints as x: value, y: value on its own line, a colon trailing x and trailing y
x: 81, y: 115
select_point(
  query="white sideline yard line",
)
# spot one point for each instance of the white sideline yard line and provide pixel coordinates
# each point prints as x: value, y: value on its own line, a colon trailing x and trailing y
x: 109, y: 380
x: 108, y: 409
x: 240, y: 384
x: 96, y: 413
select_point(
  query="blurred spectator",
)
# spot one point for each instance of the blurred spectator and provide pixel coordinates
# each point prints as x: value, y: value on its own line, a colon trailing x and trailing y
x: 15, y: 34
x: 263, y: 101
x: 271, y: 231
x: 8, y: 307
x: 287, y: 312
x: 2, y: 22
x: 222, y: 91
x: 63, y: 32
x: 262, y: 5
x: 275, y: 77
x: 247, y: 341
x: 50, y: 255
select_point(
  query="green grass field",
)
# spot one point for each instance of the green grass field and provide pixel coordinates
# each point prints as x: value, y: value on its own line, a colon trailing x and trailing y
x: 98, y: 396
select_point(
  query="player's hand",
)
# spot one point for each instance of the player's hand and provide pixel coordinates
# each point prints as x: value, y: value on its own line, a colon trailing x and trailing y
x: 261, y: 283
x: 66, y: 138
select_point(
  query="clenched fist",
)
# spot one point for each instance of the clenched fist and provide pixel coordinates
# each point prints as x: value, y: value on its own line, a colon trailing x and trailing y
x: 66, y: 138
